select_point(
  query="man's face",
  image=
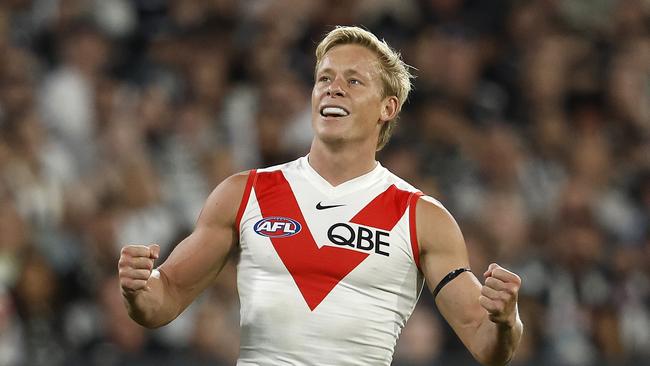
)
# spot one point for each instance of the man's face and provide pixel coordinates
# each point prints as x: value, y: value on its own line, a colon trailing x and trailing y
x: 347, y: 98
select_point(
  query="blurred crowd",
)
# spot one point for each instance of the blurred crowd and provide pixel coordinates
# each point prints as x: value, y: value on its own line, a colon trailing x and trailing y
x: 530, y: 121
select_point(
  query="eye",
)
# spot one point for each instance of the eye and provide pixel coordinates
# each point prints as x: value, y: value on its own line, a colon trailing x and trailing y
x: 354, y: 82
x: 324, y: 79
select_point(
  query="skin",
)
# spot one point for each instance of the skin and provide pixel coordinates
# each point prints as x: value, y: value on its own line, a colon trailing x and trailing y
x: 154, y: 299
x: 484, y: 316
x: 344, y: 148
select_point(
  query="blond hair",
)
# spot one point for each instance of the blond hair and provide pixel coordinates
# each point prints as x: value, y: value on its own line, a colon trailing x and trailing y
x: 395, y: 75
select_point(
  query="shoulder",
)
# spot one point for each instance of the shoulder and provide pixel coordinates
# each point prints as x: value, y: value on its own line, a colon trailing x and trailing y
x: 223, y: 203
x: 431, y: 208
x: 436, y: 227
x: 397, y: 181
x: 233, y: 184
x: 288, y: 166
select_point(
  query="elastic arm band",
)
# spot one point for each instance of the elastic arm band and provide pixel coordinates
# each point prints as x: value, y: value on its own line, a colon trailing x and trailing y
x: 448, y: 278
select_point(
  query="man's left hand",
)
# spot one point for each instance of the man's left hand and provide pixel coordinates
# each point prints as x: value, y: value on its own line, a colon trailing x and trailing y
x: 499, y: 295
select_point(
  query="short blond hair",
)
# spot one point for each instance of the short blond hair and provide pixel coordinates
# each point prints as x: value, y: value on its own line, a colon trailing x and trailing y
x: 395, y: 74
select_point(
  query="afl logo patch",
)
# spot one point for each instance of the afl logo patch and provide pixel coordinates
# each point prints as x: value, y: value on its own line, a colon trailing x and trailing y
x: 277, y: 227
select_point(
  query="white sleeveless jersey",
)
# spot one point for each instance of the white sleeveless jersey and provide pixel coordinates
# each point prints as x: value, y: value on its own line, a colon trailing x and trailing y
x: 327, y: 275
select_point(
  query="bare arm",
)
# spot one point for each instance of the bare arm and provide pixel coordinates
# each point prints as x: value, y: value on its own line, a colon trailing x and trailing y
x: 485, y: 317
x: 156, y: 297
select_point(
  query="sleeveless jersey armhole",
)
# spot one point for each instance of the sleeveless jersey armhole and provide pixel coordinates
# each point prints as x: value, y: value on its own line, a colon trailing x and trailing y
x: 250, y: 182
x: 413, y: 200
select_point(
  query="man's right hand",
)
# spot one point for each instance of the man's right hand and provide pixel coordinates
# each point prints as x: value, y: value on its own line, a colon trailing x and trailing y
x: 135, y: 267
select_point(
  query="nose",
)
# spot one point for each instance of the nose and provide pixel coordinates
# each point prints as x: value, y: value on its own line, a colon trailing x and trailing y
x: 335, y: 89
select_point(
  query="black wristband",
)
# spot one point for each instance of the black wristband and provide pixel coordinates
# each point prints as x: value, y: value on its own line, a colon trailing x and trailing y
x: 448, y: 278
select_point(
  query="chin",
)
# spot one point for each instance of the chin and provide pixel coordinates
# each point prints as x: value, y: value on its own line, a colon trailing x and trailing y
x: 329, y: 138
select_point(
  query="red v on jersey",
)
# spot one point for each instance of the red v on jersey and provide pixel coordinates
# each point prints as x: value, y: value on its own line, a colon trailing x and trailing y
x: 385, y: 210
x: 317, y: 271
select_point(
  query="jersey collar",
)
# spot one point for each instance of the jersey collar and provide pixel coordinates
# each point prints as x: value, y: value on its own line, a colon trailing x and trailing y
x: 361, y: 182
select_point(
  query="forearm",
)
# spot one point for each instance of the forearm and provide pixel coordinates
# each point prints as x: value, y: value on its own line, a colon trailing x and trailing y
x: 154, y: 306
x: 495, y: 343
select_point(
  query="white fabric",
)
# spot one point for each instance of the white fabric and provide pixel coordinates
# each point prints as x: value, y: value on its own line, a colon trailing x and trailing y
x: 359, y: 321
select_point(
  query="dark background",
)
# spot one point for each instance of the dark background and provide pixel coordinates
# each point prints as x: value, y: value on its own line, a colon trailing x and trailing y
x: 529, y: 121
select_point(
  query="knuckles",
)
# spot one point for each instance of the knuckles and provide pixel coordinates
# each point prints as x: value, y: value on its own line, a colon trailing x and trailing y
x: 512, y: 289
x: 133, y: 269
x: 507, y: 293
x: 133, y: 250
x: 506, y: 275
x: 132, y: 284
x: 134, y: 273
x: 135, y: 262
x: 492, y: 282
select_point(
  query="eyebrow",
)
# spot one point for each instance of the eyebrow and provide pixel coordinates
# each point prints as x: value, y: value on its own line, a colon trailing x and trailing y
x: 347, y: 72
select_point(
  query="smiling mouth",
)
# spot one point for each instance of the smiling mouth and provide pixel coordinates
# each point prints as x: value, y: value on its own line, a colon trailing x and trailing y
x: 329, y: 111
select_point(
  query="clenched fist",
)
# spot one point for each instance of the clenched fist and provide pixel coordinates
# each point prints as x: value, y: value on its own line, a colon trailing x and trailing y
x: 135, y: 266
x: 499, y: 294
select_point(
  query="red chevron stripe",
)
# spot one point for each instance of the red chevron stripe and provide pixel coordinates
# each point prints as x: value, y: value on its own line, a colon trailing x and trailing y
x: 385, y: 210
x: 316, y: 271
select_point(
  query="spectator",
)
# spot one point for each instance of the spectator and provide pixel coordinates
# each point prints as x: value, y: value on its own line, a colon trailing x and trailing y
x: 117, y: 119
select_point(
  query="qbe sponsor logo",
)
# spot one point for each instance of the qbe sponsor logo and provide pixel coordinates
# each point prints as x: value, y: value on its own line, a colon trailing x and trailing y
x: 359, y: 237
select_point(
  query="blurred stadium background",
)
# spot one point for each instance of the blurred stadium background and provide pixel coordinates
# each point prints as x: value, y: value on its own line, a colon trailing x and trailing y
x: 530, y: 121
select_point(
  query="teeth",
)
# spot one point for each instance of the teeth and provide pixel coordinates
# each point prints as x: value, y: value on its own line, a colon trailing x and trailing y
x: 334, y: 111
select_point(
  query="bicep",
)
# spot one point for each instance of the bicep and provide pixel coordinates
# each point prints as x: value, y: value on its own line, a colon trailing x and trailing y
x: 442, y: 250
x: 197, y: 260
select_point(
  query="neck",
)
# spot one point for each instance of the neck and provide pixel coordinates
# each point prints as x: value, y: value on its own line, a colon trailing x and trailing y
x: 338, y: 165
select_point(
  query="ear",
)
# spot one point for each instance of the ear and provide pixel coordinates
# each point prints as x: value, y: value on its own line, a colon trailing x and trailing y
x: 389, y: 108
